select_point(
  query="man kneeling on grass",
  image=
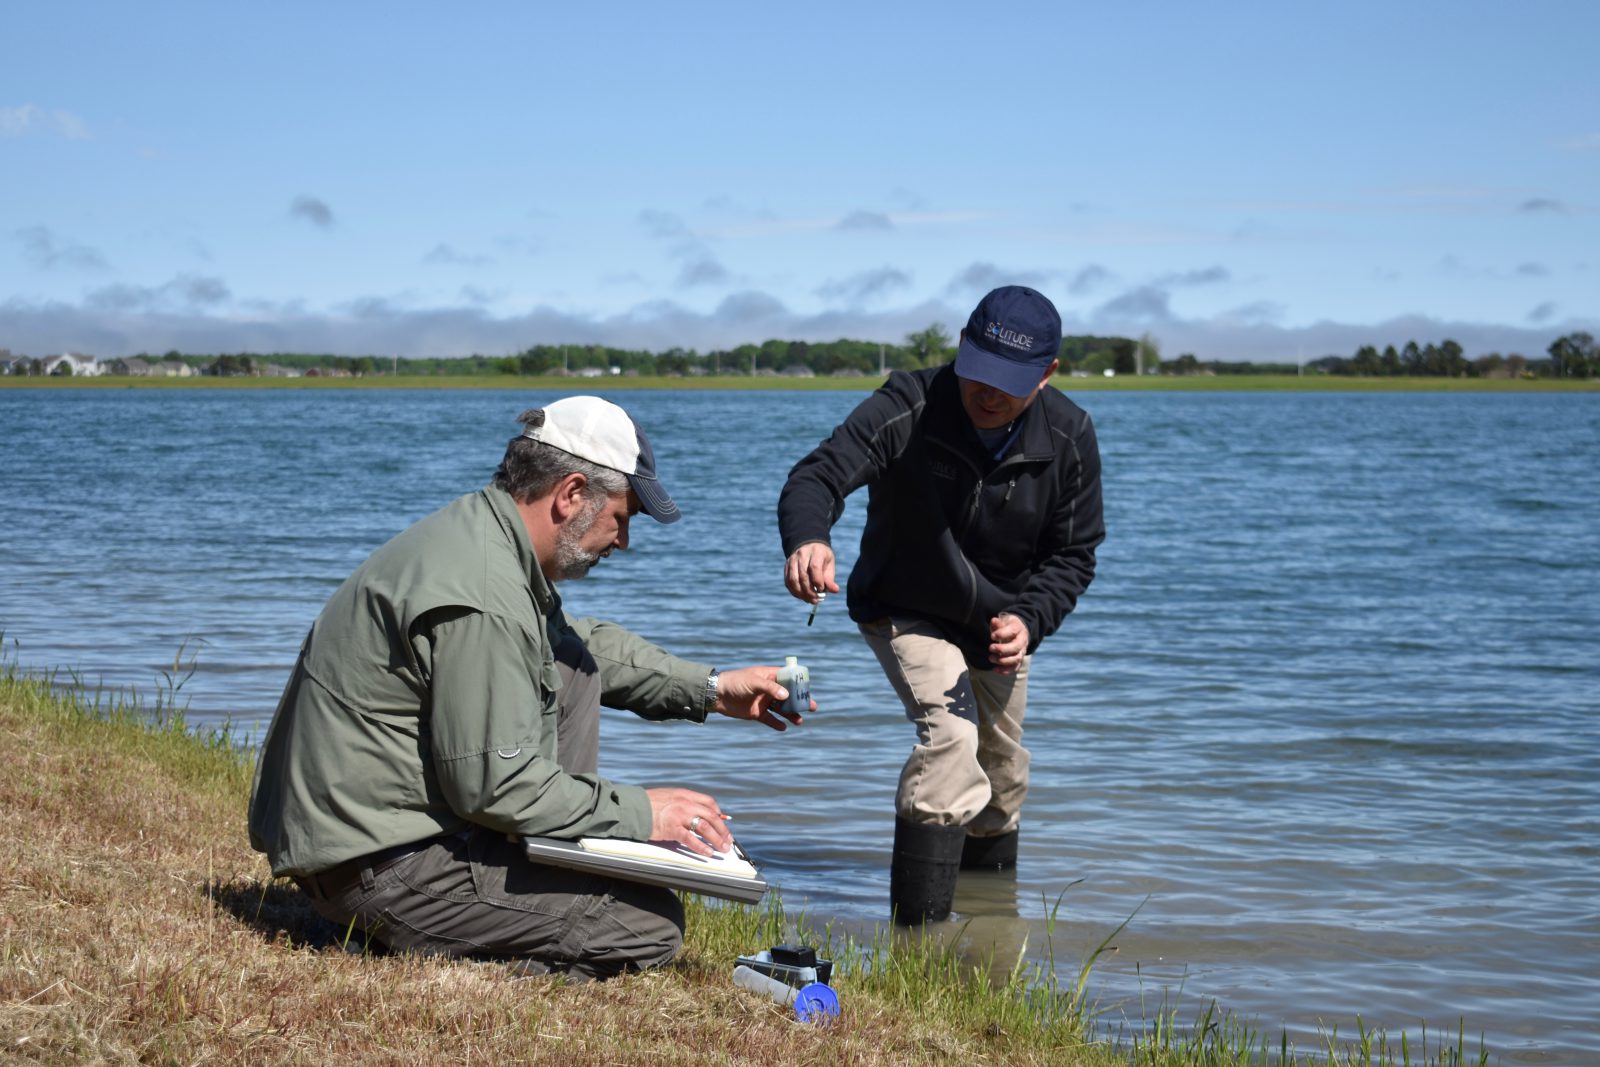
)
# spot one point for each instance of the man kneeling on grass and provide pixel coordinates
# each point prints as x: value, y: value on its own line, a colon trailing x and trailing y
x: 443, y: 706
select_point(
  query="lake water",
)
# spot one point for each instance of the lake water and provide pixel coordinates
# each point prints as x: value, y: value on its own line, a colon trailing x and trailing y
x: 1329, y: 711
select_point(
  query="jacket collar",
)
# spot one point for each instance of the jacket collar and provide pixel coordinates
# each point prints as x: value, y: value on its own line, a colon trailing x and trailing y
x: 506, y: 516
x: 1032, y: 443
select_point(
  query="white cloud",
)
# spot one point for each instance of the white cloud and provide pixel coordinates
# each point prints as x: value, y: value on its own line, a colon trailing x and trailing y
x: 1255, y: 311
x: 980, y: 277
x: 481, y: 297
x: 42, y: 248
x: 864, y: 286
x: 663, y: 225
x: 311, y: 209
x: 131, y: 320
x: 125, y: 320
x: 858, y: 220
x: 444, y: 255
x: 908, y: 198
x: 21, y: 119
x: 1201, y: 276
x: 1137, y: 308
x: 186, y: 292
x: 865, y: 220
x: 701, y: 268
x: 697, y: 265
x: 1088, y: 279
x: 728, y: 207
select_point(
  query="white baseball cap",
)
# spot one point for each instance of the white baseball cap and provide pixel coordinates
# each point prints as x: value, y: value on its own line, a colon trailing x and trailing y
x: 602, y: 433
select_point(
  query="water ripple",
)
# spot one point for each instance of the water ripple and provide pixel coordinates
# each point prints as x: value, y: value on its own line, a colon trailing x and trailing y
x: 1328, y: 719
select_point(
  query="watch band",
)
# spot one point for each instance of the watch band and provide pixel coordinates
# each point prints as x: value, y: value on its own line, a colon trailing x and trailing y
x: 710, y: 703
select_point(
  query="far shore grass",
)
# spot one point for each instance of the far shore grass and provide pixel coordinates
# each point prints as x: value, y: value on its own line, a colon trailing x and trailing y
x: 137, y: 926
x: 1314, y: 383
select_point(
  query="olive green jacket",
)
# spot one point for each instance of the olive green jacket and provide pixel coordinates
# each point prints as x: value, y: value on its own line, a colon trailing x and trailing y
x: 424, y: 698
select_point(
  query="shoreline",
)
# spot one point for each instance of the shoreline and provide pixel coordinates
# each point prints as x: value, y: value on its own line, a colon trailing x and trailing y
x: 1149, y: 383
x: 137, y: 924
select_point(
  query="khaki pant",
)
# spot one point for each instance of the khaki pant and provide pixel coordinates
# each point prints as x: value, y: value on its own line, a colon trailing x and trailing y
x: 476, y: 894
x: 968, y: 767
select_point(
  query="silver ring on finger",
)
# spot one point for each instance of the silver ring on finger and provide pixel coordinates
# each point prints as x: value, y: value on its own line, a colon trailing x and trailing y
x: 694, y: 823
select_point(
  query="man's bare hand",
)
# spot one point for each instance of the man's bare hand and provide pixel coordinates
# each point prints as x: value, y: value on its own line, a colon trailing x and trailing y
x: 809, y: 572
x: 691, y: 819
x: 1008, y: 642
x: 753, y: 693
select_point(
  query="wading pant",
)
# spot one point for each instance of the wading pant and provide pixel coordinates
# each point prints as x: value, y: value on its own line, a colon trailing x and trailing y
x: 476, y: 894
x: 968, y: 767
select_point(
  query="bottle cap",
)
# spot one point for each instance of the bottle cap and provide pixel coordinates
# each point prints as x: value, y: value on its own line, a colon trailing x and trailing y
x: 791, y: 661
x: 816, y: 1003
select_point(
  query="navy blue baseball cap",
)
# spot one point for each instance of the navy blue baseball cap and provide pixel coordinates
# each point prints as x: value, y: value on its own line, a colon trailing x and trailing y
x: 1011, y: 339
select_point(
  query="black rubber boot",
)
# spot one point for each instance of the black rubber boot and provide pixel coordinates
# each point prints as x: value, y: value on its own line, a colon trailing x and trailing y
x: 997, y: 853
x: 922, y: 874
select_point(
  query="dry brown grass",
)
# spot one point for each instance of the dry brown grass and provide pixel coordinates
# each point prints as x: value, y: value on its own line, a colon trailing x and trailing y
x: 136, y: 926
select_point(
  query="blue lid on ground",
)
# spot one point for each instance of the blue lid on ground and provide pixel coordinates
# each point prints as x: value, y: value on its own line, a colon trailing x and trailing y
x: 816, y: 1003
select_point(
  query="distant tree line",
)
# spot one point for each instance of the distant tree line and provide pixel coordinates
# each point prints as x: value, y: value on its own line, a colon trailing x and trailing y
x: 1188, y: 363
x: 843, y: 358
x: 1573, y: 356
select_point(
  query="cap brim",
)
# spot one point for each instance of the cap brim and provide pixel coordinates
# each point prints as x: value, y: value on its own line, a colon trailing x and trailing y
x: 653, y: 499
x: 1008, y: 376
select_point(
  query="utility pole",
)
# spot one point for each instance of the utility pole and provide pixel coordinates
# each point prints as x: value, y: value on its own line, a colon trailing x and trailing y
x: 881, y: 370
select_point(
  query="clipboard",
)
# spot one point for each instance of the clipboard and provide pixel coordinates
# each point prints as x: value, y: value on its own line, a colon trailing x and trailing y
x: 731, y: 876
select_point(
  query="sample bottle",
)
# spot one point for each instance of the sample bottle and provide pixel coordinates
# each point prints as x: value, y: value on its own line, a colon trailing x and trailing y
x: 796, y: 678
x: 812, y: 1003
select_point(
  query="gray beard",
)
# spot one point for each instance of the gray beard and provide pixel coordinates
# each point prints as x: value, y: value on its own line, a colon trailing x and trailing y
x: 572, y: 560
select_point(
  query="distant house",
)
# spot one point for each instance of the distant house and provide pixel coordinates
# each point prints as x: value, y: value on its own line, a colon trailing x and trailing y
x: 132, y: 367
x: 79, y: 366
x: 225, y: 367
x: 8, y: 362
x: 172, y: 368
x: 278, y: 370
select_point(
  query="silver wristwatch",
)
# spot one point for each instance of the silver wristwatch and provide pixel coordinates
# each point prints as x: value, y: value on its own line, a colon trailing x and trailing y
x: 710, y: 703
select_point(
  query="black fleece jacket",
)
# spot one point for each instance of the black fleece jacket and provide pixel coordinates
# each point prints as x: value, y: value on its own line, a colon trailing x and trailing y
x: 953, y: 535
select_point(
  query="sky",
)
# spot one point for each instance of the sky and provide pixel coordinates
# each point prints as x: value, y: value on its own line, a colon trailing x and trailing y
x: 1241, y: 181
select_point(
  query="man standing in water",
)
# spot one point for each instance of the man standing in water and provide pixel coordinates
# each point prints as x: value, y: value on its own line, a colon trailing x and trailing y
x: 443, y: 706
x: 983, y: 516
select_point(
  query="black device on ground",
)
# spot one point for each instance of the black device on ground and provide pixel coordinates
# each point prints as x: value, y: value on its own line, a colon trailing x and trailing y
x: 795, y: 965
